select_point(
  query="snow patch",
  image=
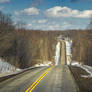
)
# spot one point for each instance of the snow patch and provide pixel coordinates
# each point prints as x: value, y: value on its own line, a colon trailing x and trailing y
x: 57, y: 57
x: 74, y: 63
x: 48, y: 63
x: 68, y: 47
x: 5, y: 67
x: 68, y: 50
x: 88, y: 70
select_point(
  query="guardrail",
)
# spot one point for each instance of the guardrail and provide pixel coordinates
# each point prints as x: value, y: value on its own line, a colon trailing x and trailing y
x: 3, y: 78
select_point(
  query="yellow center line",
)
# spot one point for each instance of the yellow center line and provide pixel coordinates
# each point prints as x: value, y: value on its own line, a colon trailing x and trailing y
x: 31, y: 88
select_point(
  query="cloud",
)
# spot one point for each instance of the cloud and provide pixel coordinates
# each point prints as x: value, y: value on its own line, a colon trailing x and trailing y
x: 28, y: 25
x: 50, y: 25
x: 16, y: 12
x: 28, y: 11
x: 4, y: 1
x: 67, y: 12
x: 54, y: 27
x: 59, y: 26
x: 42, y: 21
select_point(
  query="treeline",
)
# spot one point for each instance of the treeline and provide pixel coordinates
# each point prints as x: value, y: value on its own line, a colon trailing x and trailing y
x: 24, y: 48
x: 6, y: 34
x: 82, y: 47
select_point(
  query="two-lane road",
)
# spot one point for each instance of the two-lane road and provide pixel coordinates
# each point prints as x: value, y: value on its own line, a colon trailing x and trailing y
x: 55, y: 79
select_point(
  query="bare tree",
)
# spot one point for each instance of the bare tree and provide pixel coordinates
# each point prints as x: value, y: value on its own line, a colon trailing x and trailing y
x: 20, y: 25
x: 90, y: 24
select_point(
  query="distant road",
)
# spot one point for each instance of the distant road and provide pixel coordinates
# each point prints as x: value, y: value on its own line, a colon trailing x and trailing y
x: 55, y: 79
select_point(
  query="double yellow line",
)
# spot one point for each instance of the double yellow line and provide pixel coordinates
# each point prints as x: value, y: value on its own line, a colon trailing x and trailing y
x: 31, y: 88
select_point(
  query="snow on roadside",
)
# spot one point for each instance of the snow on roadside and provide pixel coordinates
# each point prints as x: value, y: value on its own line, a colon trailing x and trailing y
x: 68, y: 50
x: 48, y: 63
x: 84, y: 67
x: 6, y: 68
x: 87, y: 68
x: 57, y: 53
x: 74, y: 63
x: 68, y: 47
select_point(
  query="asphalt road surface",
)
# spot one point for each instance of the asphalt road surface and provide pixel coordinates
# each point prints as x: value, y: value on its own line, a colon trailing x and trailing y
x: 55, y: 79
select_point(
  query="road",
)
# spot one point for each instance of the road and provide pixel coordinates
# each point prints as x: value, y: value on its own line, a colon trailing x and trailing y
x: 63, y: 54
x: 57, y: 79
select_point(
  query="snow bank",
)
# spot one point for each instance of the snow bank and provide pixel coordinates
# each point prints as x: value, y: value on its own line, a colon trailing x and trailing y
x: 68, y: 47
x: 88, y: 69
x: 74, y: 63
x: 5, y: 67
x: 48, y: 63
x: 57, y: 56
x: 68, y: 51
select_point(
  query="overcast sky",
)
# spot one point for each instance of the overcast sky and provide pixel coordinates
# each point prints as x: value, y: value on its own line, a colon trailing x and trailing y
x: 50, y: 14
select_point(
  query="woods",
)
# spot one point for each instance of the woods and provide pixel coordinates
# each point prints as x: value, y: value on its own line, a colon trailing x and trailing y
x: 23, y: 48
x: 82, y: 47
